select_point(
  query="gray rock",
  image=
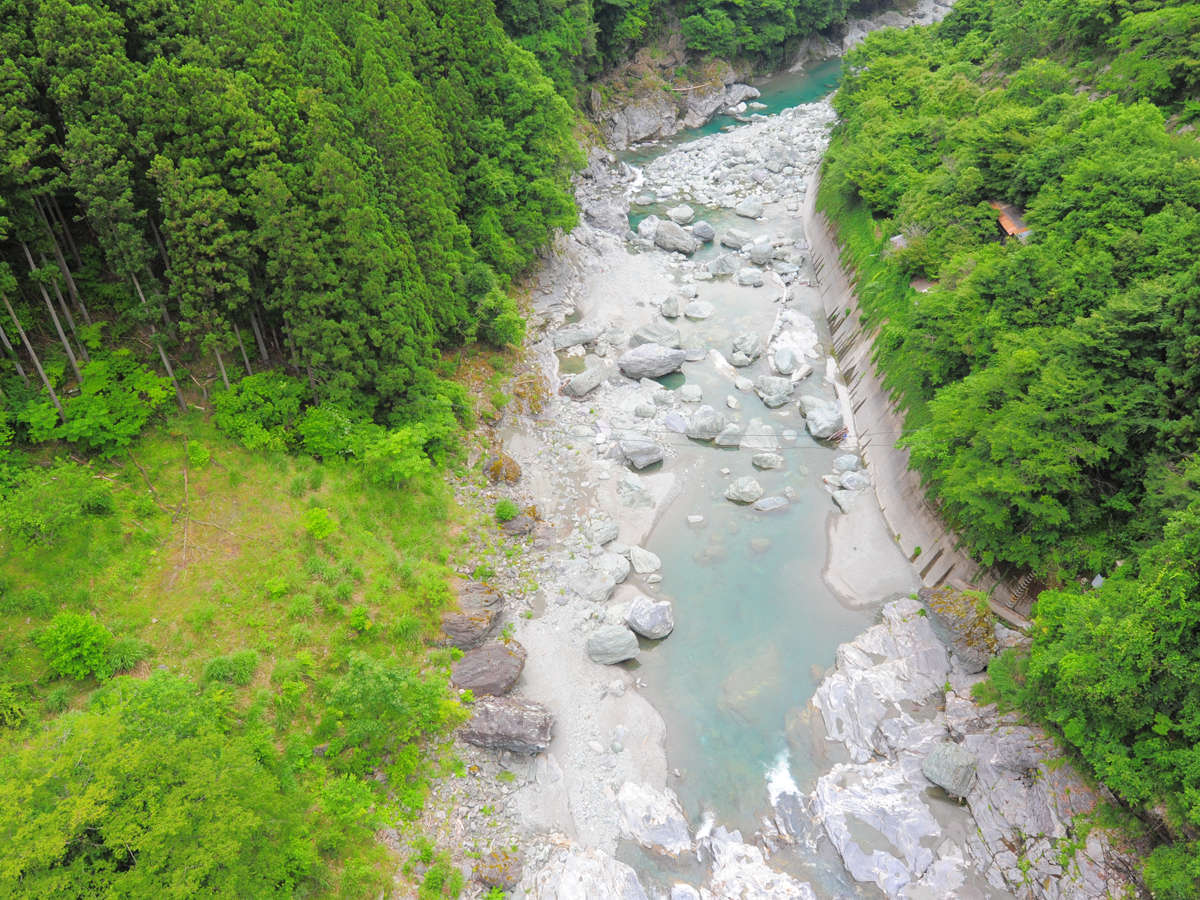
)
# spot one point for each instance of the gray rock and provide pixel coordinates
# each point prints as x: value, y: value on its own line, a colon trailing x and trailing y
x: 518, y: 526
x: 632, y: 493
x: 767, y: 461
x: 844, y: 499
x: 856, y: 481
x: 706, y: 424
x: 749, y: 277
x: 703, y: 231
x: 730, y: 436
x: 612, y: 565
x: 653, y: 818
x: 641, y: 452
x: 744, y: 490
x: 601, y: 529
x: 573, y: 873
x: 725, y: 264
x: 786, y: 361
x: 769, y: 504
x: 749, y: 208
x: 690, y: 393
x: 648, y: 227
x: 698, y: 309
x: 674, y: 239
x: 735, y: 239
x: 587, y: 381
x: 509, y: 723
x: 681, y: 214
x: 656, y: 333
x: 961, y: 619
x: 740, y: 872
x: 645, y: 198
x: 671, y: 307
x: 675, y: 422
x: 645, y: 410
x: 773, y: 390
x: 491, y: 669
x: 606, y: 215
x: 740, y: 360
x: 742, y: 383
x: 847, y: 462
x: 951, y: 767
x: 748, y: 343
x: 650, y: 361
x: 593, y: 586
x: 653, y: 619
x: 643, y: 561
x: 611, y: 644
x: 573, y: 335
x: 760, y: 252
x: 475, y: 618
x: 822, y: 418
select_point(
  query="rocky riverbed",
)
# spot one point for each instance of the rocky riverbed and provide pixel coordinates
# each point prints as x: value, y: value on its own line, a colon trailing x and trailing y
x: 921, y: 792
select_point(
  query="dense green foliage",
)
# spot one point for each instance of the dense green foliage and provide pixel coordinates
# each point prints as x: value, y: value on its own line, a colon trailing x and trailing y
x: 761, y: 27
x: 340, y: 188
x: 1050, y: 384
x: 295, y: 602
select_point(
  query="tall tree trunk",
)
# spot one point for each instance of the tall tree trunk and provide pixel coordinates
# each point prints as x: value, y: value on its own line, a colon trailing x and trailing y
x: 13, y: 353
x: 162, y: 354
x: 162, y: 248
x: 221, y: 366
x: 37, y: 363
x: 66, y: 227
x: 237, y: 332
x: 258, y: 336
x: 66, y: 311
x: 54, y: 316
x: 72, y: 289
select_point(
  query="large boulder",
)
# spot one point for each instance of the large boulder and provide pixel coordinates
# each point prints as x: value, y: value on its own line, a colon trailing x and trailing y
x: 740, y: 872
x: 593, y: 586
x: 748, y: 276
x: 491, y: 669
x: 469, y: 626
x: 643, y: 561
x: 964, y: 619
x: 653, y: 818
x: 698, y: 310
x: 706, y: 423
x: 613, y: 565
x: 650, y: 361
x: 573, y: 873
x: 749, y: 208
x: 647, y: 228
x: 681, y: 214
x: 735, y: 239
x: 675, y: 238
x: 641, y: 452
x: 725, y: 264
x: 773, y: 390
x: 656, y: 333
x: 573, y: 335
x: 822, y: 418
x: 653, y: 619
x: 748, y: 344
x: 587, y: 381
x: 611, y: 644
x: 703, y: 231
x: 509, y: 723
x: 951, y: 767
x: 744, y: 490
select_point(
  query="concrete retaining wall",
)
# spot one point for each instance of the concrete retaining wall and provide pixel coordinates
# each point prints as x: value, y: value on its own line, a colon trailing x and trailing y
x: 913, y: 520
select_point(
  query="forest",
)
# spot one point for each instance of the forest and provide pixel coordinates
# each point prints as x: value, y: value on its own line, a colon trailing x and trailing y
x: 242, y: 245
x: 1049, y: 380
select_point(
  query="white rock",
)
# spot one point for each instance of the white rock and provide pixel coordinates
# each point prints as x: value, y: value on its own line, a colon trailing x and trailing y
x: 653, y: 818
x: 644, y: 561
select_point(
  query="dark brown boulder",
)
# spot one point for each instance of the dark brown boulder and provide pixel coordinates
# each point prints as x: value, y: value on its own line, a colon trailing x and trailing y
x: 469, y: 625
x: 517, y: 527
x: 491, y: 669
x: 509, y: 723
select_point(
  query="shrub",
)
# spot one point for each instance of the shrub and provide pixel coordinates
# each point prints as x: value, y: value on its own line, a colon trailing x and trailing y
x: 506, y: 511
x: 198, y: 455
x: 45, y: 503
x: 260, y: 410
x: 125, y: 653
x: 236, y: 668
x: 319, y: 523
x: 12, y: 710
x: 75, y: 645
x: 397, y: 456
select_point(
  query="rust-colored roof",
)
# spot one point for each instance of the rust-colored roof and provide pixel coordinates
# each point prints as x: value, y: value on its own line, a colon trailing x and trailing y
x: 1010, y: 218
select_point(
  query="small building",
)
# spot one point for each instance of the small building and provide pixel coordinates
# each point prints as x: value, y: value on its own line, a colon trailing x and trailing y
x: 1010, y: 220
